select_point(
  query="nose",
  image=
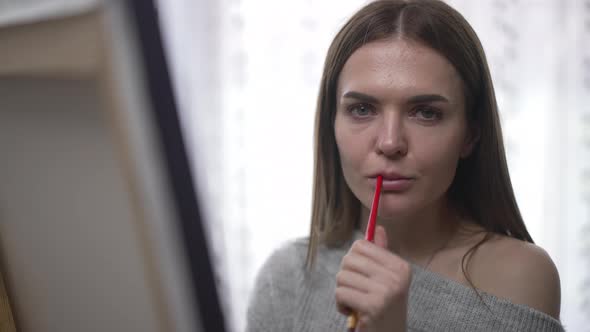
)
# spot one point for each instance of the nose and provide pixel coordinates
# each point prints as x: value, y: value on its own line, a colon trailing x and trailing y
x: 391, y: 140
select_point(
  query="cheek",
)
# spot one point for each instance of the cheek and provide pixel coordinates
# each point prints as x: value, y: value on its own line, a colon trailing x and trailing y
x: 353, y: 160
x: 346, y: 150
x: 345, y: 142
x: 352, y: 150
x: 439, y: 158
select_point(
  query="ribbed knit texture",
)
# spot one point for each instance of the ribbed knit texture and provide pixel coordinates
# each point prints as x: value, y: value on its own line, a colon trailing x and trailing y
x: 289, y: 298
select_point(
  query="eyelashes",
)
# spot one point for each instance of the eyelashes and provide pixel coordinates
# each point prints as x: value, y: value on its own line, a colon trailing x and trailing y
x: 427, y: 113
x: 361, y: 110
x: 422, y: 113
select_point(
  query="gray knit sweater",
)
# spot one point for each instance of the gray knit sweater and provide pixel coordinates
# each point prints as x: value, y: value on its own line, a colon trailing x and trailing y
x: 289, y: 298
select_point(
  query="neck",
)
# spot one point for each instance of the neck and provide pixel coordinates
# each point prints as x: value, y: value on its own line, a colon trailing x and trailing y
x: 418, y: 236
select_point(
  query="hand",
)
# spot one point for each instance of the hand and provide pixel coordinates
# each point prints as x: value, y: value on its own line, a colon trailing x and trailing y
x: 374, y: 283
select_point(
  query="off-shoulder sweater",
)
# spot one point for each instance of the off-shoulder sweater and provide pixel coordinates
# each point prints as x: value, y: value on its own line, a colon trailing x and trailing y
x: 288, y: 297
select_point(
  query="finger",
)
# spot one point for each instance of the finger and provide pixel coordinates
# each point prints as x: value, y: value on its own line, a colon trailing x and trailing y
x: 379, y: 255
x: 381, y: 237
x: 369, y: 278
x: 367, y: 307
x: 373, y: 278
x: 350, y: 300
x: 344, y: 310
x: 359, y: 263
x: 352, y: 279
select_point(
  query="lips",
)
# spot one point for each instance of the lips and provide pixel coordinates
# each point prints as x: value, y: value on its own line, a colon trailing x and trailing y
x: 394, y: 177
x: 394, y: 182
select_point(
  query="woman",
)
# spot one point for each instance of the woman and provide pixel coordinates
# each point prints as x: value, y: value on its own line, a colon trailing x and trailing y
x: 406, y: 93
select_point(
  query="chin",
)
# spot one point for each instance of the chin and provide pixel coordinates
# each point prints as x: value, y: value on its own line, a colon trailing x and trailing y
x: 394, y: 213
x: 396, y: 209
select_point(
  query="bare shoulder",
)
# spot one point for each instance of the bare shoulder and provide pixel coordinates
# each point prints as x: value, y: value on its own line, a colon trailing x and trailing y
x: 518, y: 271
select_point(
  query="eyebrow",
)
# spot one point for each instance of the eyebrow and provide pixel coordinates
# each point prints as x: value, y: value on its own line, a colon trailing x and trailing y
x: 426, y: 98
x: 360, y: 96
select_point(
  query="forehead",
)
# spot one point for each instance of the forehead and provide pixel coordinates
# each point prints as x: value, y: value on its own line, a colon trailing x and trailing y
x: 398, y: 68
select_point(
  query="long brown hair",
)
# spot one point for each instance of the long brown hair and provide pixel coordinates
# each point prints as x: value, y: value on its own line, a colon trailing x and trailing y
x: 481, y: 189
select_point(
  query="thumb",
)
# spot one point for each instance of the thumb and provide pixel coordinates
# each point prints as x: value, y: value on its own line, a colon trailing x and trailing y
x: 380, y: 236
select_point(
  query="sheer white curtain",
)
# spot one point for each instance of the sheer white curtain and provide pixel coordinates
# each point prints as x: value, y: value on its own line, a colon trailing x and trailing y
x: 247, y: 74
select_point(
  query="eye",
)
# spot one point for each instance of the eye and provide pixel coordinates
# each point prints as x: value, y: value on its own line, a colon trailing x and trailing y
x: 427, y: 114
x: 361, y: 110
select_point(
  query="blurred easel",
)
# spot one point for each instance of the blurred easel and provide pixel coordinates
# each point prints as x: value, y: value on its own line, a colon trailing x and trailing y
x: 6, y: 320
x: 100, y: 227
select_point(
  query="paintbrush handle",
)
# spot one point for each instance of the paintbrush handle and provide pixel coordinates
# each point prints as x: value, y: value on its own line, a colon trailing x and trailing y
x: 369, y: 236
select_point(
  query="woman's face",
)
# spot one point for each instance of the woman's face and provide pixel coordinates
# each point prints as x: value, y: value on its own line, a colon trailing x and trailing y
x: 401, y: 114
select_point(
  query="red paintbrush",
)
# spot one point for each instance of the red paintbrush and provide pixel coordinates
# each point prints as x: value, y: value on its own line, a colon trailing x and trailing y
x: 369, y: 235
